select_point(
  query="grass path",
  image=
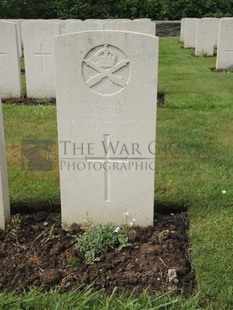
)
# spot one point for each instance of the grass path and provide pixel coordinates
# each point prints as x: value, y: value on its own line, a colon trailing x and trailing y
x: 197, y: 128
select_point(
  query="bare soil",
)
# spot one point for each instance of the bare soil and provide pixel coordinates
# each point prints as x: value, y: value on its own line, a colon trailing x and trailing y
x: 36, y: 251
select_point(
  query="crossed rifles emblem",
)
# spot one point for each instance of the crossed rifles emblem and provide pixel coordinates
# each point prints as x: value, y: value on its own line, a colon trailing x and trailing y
x: 106, y: 70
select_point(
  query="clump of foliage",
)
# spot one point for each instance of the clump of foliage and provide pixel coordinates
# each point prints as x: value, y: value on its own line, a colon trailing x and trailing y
x: 14, y: 226
x: 97, y: 239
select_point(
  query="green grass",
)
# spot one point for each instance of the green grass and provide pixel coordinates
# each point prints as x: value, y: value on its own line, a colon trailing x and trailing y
x: 31, y: 188
x: 197, y: 127
x: 23, y: 77
x: 87, y: 299
x: 194, y: 164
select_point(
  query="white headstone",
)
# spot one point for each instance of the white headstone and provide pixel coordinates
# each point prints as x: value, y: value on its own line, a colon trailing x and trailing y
x: 106, y: 96
x: 147, y: 27
x: 142, y: 19
x: 17, y: 22
x: 81, y: 26
x: 39, y: 57
x: 190, y: 32
x: 216, y: 22
x: 110, y: 20
x: 182, y: 27
x: 21, y: 21
x: 94, y: 20
x: 10, y: 75
x: 110, y: 24
x: 225, y: 44
x: 207, y: 33
x: 4, y: 191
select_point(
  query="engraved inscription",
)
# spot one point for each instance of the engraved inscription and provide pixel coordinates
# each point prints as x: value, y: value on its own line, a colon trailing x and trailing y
x: 42, y: 56
x: 106, y: 70
x: 106, y: 160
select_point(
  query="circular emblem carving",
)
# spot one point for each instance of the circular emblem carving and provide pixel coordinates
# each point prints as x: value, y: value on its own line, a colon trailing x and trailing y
x: 106, y: 70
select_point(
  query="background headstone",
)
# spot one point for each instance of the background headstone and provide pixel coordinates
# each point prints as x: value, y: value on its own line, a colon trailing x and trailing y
x: 4, y: 191
x: 190, y: 32
x: 216, y: 22
x: 142, y: 19
x: 78, y: 26
x: 39, y: 57
x: 207, y: 34
x: 182, y: 27
x: 10, y: 75
x: 106, y: 93
x: 17, y: 22
x: 225, y: 44
x: 141, y: 26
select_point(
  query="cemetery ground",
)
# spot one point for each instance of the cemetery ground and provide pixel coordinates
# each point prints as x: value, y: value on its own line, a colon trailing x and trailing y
x: 193, y: 173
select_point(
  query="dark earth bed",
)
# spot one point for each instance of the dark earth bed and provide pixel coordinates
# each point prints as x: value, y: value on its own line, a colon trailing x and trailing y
x: 35, y: 251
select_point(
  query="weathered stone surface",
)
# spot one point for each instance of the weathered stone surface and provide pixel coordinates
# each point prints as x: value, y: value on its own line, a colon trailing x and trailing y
x: 10, y: 76
x: 39, y: 57
x: 207, y: 36
x: 190, y: 32
x: 225, y: 44
x: 106, y: 100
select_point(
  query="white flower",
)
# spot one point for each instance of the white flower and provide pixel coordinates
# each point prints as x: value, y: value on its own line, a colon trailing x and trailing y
x: 117, y: 230
x: 134, y: 220
x: 131, y: 224
x: 224, y: 192
x: 126, y: 213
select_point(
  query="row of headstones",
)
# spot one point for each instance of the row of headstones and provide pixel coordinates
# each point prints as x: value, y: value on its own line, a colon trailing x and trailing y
x: 208, y: 33
x: 35, y: 39
x: 106, y: 90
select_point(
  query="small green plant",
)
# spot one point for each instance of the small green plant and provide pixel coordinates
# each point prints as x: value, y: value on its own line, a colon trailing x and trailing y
x: 14, y: 226
x: 97, y: 239
x: 204, y: 54
x: 74, y: 261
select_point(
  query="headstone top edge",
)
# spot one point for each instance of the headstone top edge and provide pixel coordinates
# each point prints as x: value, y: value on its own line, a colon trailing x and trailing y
x: 6, y: 22
x: 133, y: 33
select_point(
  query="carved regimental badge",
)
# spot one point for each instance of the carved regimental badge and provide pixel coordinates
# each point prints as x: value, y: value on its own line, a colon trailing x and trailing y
x: 106, y: 70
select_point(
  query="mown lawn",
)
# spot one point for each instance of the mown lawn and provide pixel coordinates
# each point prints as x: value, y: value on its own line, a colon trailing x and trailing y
x: 194, y: 165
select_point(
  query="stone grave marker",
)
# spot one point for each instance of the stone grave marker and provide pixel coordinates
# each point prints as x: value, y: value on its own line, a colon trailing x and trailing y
x: 225, y: 44
x: 190, y: 32
x: 78, y: 26
x: 4, y: 191
x: 21, y: 22
x: 142, y: 19
x: 182, y: 27
x: 116, y: 19
x: 216, y: 22
x: 17, y: 22
x: 39, y: 57
x: 106, y: 85
x: 141, y: 26
x: 206, y: 36
x: 111, y: 24
x: 94, y: 20
x: 10, y: 76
